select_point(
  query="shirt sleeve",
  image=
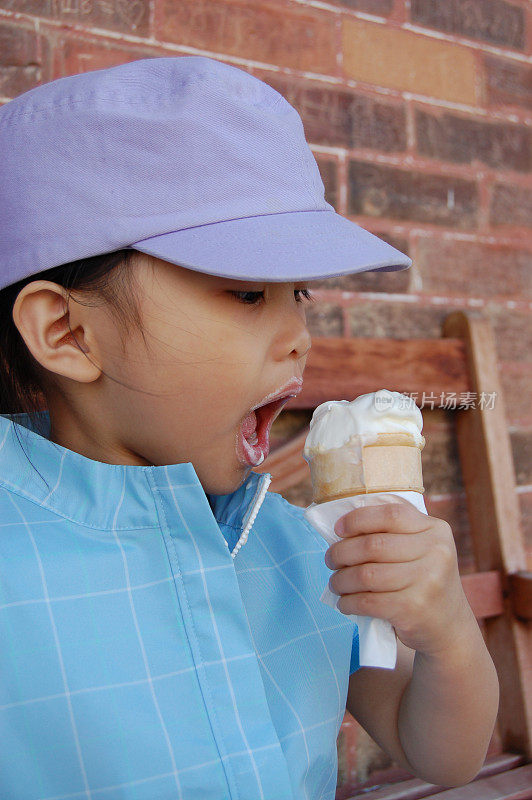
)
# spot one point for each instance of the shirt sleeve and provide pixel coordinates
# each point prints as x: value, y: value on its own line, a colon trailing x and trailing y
x: 355, y: 662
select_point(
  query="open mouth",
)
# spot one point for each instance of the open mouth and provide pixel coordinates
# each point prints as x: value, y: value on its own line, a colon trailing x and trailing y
x: 253, y: 442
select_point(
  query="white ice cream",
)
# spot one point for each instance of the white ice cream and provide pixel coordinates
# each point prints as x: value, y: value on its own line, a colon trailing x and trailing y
x: 333, y: 423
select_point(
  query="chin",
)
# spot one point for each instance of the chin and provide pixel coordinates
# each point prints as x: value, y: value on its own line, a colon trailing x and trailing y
x: 226, y: 486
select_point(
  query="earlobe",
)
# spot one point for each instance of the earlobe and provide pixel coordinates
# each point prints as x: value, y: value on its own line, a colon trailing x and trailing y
x: 56, y: 340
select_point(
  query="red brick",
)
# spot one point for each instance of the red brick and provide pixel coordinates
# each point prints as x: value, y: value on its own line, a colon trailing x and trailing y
x: 294, y: 37
x: 511, y: 205
x: 396, y: 320
x: 381, y: 8
x: 453, y: 509
x: 329, y: 175
x: 525, y: 504
x: 522, y: 455
x: 382, y: 191
x: 441, y: 463
x: 508, y: 83
x: 374, y: 280
x: 341, y: 118
x: 324, y: 319
x: 387, y: 282
x: 24, y: 59
x: 388, y: 56
x: 493, y: 21
x: 513, y: 332
x: 82, y: 53
x: 462, y: 139
x: 516, y: 382
x: 128, y: 16
x: 471, y: 268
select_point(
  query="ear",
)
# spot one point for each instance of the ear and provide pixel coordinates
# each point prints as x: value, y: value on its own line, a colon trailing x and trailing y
x: 44, y: 321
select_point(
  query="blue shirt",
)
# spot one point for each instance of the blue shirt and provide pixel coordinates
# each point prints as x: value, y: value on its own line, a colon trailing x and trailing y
x: 138, y: 660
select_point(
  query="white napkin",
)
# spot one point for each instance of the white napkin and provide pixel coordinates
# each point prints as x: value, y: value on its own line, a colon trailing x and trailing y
x: 377, y: 642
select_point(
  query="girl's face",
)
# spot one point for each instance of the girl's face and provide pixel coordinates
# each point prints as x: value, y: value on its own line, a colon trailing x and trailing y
x: 208, y: 358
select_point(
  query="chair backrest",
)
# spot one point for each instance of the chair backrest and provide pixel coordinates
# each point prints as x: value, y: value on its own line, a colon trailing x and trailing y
x: 463, y: 361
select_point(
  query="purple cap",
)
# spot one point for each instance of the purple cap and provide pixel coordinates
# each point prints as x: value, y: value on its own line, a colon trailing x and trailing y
x: 184, y: 158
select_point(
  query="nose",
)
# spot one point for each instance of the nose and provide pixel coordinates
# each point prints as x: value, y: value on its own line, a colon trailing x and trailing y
x: 307, y: 348
x: 292, y: 338
x: 301, y: 339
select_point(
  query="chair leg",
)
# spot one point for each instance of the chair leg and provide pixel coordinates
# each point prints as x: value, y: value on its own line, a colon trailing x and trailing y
x: 495, y: 521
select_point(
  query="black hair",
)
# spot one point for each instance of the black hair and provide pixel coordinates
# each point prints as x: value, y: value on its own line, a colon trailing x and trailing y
x: 24, y: 383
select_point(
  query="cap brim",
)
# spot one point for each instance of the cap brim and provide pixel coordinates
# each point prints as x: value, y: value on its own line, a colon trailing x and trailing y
x: 288, y: 246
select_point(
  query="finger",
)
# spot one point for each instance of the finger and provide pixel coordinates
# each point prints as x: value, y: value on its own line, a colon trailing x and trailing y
x: 376, y: 547
x: 382, y: 605
x: 373, y: 578
x: 393, y: 517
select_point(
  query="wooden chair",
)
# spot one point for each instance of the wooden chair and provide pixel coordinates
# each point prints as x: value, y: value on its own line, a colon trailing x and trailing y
x: 500, y: 591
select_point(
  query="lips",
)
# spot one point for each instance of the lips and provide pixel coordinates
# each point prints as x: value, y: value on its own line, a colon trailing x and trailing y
x: 290, y: 389
x: 253, y: 440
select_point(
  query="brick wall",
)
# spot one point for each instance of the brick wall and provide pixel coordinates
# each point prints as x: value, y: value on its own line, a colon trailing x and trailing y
x: 419, y: 114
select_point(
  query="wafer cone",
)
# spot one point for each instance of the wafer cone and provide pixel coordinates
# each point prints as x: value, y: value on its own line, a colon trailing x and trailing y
x: 391, y: 463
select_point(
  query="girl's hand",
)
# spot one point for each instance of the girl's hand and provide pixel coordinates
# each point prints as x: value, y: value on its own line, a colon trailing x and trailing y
x: 396, y: 563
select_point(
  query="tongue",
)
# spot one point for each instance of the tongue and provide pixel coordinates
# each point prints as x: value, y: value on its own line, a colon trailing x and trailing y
x: 249, y: 426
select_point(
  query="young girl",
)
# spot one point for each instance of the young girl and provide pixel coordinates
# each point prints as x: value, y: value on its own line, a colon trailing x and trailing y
x: 161, y: 632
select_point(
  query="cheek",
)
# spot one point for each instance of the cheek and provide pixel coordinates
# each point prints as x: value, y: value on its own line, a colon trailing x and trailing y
x: 233, y: 358
x: 202, y: 364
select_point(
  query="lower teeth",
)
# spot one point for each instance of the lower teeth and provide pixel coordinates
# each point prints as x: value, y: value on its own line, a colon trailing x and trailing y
x: 254, y: 440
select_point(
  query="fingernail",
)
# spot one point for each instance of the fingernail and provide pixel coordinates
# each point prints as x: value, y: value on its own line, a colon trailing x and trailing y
x: 339, y: 528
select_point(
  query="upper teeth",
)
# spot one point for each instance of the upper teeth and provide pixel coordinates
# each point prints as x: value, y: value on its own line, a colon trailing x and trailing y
x: 254, y: 439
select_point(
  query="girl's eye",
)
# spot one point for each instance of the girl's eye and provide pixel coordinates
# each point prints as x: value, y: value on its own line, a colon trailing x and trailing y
x: 252, y: 298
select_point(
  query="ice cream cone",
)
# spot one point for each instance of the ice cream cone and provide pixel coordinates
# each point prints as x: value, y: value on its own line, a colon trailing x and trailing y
x: 392, y: 463
x: 367, y: 459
